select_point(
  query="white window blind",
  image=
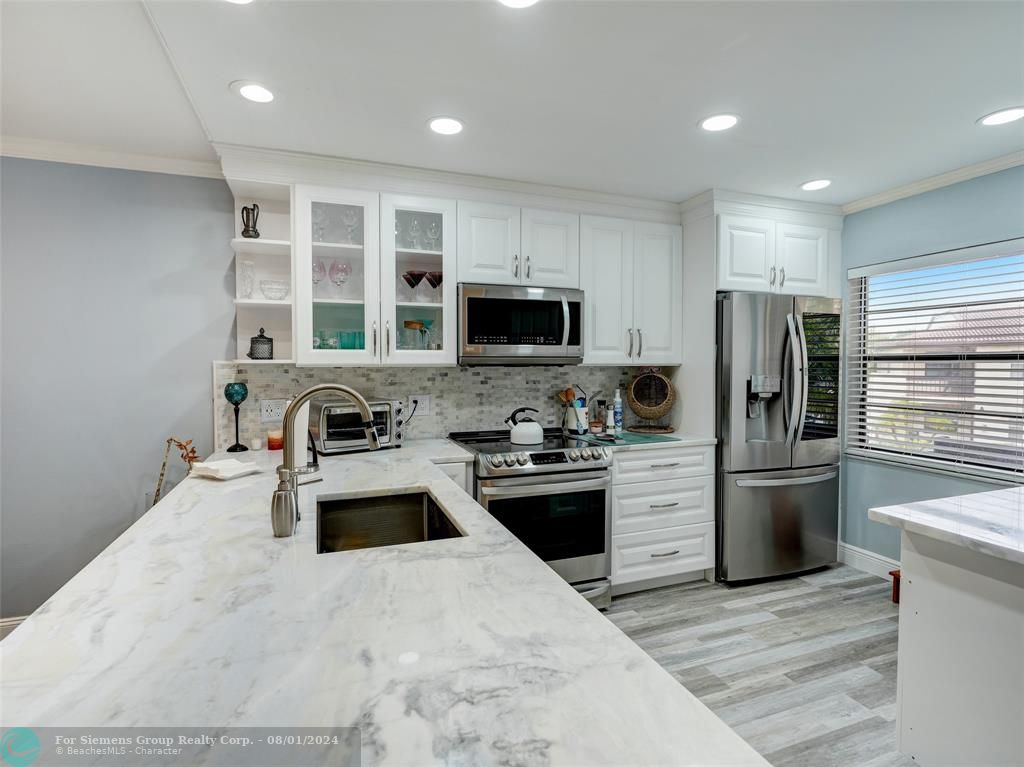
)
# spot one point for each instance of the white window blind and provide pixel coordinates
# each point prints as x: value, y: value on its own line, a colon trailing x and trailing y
x: 935, y: 365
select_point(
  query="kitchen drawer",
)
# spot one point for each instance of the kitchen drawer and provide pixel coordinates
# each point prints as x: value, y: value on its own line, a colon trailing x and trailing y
x: 662, y: 463
x: 657, y: 553
x: 656, y: 505
x: 458, y: 472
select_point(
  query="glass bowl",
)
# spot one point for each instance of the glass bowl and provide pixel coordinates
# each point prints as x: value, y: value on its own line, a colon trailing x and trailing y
x: 274, y: 290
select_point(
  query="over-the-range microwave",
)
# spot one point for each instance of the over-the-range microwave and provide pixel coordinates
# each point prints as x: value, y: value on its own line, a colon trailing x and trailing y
x: 516, y: 325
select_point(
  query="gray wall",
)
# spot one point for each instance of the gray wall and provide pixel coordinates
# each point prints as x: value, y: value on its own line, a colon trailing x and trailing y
x: 116, y: 294
x: 985, y: 209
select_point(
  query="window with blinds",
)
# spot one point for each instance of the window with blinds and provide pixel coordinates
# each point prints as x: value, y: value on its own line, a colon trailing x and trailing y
x: 935, y: 365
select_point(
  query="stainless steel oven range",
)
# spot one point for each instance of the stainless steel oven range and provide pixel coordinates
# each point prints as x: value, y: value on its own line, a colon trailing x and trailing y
x: 555, y: 497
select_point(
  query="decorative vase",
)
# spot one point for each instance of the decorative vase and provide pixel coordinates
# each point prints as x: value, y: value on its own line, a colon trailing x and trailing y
x: 246, y: 279
x: 236, y: 394
x: 249, y: 217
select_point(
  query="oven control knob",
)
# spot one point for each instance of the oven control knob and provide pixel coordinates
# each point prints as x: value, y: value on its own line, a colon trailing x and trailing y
x: 585, y: 454
x: 496, y: 461
x: 607, y: 453
x: 510, y: 460
x: 574, y: 455
x: 522, y: 459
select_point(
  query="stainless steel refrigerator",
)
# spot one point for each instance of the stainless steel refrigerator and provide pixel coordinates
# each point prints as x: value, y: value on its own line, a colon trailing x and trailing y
x: 778, y: 434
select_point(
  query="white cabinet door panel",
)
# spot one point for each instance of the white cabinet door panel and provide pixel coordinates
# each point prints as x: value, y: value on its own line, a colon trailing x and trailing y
x: 551, y: 248
x: 801, y: 254
x: 656, y: 505
x: 658, y: 294
x: 489, y: 245
x: 458, y: 473
x: 662, y: 463
x: 657, y: 553
x: 746, y: 253
x: 606, y: 276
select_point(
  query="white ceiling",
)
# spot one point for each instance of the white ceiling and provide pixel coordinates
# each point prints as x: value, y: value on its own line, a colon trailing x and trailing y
x: 594, y: 95
x: 93, y: 73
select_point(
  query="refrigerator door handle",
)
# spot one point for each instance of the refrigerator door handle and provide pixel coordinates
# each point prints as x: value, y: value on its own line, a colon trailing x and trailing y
x: 802, y: 418
x: 784, y: 482
x: 796, y: 381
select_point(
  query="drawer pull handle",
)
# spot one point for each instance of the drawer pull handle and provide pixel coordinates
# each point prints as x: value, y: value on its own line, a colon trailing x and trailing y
x: 664, y: 505
x: 666, y: 554
x: 664, y: 465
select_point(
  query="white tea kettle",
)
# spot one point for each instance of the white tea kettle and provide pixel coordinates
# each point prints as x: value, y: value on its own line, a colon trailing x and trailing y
x: 525, y: 431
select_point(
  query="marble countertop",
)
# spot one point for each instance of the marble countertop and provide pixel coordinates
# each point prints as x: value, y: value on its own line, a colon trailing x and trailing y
x: 991, y: 523
x: 467, y: 651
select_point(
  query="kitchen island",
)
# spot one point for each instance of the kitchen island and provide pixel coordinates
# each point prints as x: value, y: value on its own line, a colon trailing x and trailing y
x: 960, y: 697
x: 466, y: 651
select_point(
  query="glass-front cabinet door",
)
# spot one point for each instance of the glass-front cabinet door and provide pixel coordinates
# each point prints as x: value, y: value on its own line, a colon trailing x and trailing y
x: 337, y: 276
x: 418, y: 281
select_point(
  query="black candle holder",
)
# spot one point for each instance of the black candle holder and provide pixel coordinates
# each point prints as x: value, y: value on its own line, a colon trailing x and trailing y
x: 236, y: 394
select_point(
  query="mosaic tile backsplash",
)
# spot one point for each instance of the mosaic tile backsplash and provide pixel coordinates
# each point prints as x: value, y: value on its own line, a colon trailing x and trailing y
x: 462, y: 398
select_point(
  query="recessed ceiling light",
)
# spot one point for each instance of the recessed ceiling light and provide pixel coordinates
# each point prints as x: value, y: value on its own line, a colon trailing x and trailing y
x: 816, y: 185
x: 719, y: 122
x: 1003, y: 116
x: 518, y: 3
x: 252, y: 91
x: 446, y: 126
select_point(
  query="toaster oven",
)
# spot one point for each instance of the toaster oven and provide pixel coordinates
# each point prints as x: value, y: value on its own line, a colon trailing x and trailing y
x: 337, y: 427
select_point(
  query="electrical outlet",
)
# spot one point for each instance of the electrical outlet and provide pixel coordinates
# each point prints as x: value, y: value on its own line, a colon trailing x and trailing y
x: 422, y: 406
x: 272, y: 410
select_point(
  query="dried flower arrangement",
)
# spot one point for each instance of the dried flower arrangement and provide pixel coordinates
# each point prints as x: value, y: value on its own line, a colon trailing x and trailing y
x: 188, y: 455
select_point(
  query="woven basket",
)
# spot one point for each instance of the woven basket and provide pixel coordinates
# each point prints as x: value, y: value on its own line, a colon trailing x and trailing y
x: 650, y: 395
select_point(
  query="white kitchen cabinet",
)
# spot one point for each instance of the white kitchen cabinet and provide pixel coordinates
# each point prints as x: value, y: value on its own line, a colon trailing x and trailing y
x: 665, y: 462
x: 550, y: 248
x: 631, y: 275
x: 657, y: 293
x: 418, y: 281
x: 506, y: 245
x: 606, y: 260
x: 801, y: 254
x: 661, y: 553
x: 746, y: 253
x: 763, y: 255
x: 489, y: 243
x: 336, y: 276
x: 460, y: 473
x: 670, y: 503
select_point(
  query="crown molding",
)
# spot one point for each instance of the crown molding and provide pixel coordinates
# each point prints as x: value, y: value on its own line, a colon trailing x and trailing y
x: 255, y: 165
x: 82, y: 154
x: 949, y: 178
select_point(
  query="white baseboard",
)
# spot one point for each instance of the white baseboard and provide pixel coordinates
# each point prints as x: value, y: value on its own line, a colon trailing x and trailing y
x: 657, y: 583
x: 7, y: 625
x: 867, y: 561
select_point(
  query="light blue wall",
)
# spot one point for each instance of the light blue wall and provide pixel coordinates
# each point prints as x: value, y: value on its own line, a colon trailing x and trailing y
x: 985, y: 209
x: 115, y: 298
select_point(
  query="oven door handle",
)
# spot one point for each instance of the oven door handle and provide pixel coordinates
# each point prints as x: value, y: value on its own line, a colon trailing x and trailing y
x: 552, y: 488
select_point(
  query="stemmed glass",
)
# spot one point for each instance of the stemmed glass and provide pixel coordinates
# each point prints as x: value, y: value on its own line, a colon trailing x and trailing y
x: 319, y: 272
x: 350, y: 221
x: 339, y: 272
x: 433, y: 232
x: 318, y: 224
x: 416, y: 232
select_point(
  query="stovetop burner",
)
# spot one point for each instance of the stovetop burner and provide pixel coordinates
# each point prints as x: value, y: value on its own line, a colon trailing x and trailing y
x: 498, y: 456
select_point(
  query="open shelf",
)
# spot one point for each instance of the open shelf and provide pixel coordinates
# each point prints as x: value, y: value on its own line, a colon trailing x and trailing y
x: 419, y: 305
x: 262, y: 303
x: 418, y: 252
x: 264, y: 247
x: 248, y: 361
x: 338, y: 301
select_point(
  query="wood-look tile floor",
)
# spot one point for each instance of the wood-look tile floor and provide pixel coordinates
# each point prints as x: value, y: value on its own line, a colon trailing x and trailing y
x: 804, y: 669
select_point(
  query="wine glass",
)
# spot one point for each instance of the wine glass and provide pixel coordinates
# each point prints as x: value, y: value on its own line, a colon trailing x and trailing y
x: 318, y: 223
x: 433, y: 232
x: 319, y: 271
x: 339, y: 272
x: 416, y: 233
x: 350, y: 221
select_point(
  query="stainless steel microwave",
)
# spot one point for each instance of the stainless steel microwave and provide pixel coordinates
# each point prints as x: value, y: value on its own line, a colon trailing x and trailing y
x: 514, y: 325
x: 337, y: 427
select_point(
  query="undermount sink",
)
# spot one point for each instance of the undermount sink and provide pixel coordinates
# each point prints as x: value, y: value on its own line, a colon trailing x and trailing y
x: 382, y: 520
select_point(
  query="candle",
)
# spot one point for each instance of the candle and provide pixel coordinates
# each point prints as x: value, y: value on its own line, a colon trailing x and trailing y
x: 275, y: 439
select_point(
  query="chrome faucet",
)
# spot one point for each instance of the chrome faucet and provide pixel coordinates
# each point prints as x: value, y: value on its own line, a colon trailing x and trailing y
x: 284, y: 504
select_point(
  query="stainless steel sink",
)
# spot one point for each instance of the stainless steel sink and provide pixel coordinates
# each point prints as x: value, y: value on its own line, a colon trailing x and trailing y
x: 383, y: 520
